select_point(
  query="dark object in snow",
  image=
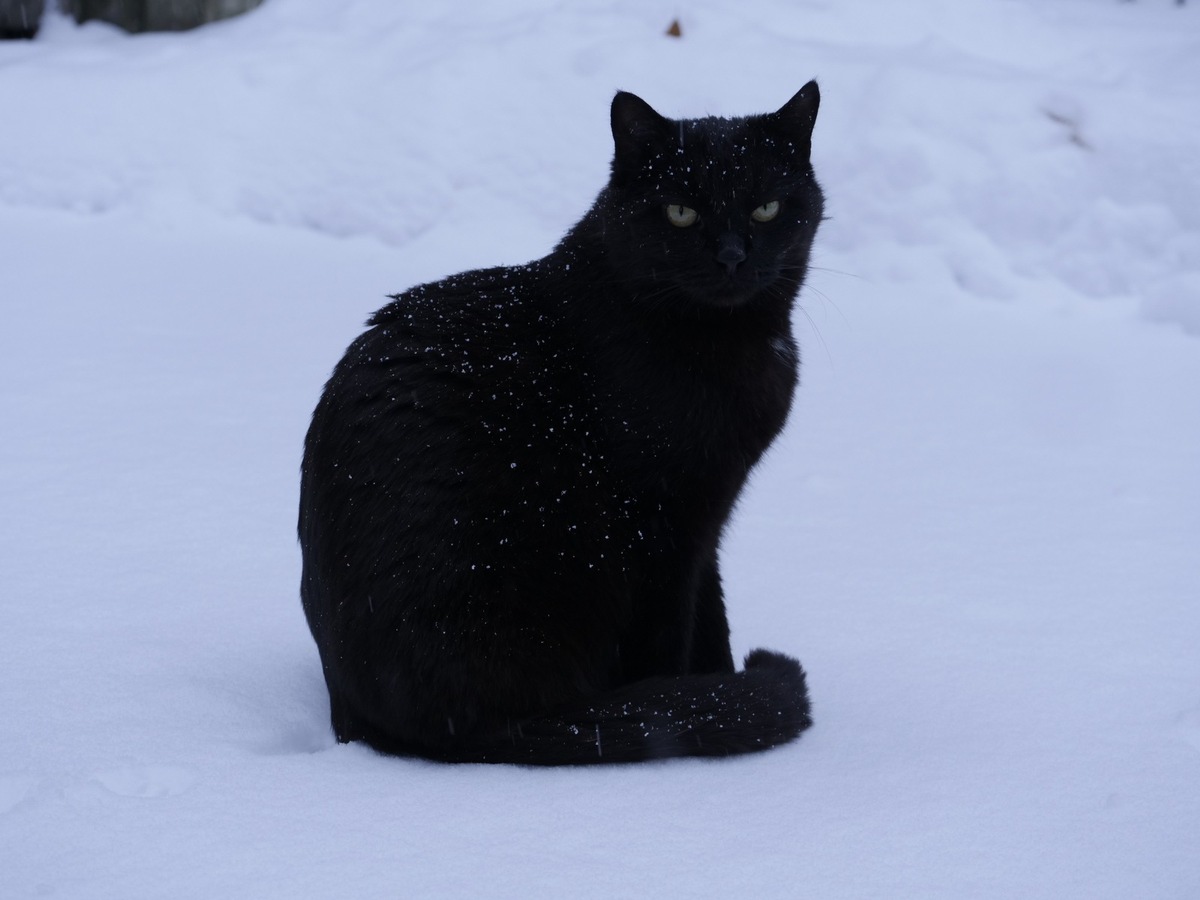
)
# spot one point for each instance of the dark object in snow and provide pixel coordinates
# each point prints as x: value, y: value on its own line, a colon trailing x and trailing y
x: 19, y: 19
x: 674, y: 29
x: 516, y: 481
x: 157, y: 15
x: 1071, y: 126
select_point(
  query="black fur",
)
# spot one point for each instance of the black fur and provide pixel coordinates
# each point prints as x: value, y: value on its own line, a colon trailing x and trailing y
x: 515, y: 483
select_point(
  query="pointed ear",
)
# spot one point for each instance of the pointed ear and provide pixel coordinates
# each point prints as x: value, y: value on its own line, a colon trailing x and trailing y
x: 798, y: 115
x: 636, y: 129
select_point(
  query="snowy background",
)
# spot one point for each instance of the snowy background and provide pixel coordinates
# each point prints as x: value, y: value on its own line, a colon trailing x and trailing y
x: 980, y: 533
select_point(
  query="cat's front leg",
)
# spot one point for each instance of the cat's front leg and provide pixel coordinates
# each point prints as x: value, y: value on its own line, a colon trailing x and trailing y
x: 710, y: 650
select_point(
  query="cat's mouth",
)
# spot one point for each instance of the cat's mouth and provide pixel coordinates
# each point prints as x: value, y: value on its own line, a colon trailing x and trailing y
x: 732, y: 289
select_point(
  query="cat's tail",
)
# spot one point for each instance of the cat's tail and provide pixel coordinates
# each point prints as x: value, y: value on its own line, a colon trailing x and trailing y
x: 688, y: 715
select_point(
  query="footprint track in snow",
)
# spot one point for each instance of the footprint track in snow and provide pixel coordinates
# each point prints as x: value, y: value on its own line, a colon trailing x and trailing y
x: 1188, y: 724
x: 147, y: 781
x: 14, y: 789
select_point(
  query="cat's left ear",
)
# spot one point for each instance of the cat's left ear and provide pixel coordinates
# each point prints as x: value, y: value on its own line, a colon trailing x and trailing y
x: 798, y: 116
x: 637, y: 130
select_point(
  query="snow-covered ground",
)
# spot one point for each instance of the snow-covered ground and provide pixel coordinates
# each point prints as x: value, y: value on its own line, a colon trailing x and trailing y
x: 981, y: 531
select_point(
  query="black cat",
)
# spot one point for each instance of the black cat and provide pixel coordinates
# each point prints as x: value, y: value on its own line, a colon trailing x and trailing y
x: 515, y: 483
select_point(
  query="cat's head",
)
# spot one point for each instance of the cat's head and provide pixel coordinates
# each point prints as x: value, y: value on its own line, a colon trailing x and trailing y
x: 717, y: 211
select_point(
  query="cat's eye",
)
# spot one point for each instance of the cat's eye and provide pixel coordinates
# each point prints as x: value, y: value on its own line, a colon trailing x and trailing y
x: 681, y: 216
x: 766, y: 212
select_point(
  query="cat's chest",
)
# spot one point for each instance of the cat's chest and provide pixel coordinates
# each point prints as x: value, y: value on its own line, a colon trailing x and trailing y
x: 686, y: 413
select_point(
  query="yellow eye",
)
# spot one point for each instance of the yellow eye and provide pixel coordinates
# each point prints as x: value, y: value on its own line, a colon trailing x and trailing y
x: 766, y: 212
x: 681, y: 216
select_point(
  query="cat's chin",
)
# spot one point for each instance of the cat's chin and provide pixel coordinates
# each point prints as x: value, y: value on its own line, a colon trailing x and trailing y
x: 730, y: 293
x: 725, y: 299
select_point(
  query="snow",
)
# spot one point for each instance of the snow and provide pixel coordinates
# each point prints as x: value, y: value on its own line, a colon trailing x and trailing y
x: 979, y: 532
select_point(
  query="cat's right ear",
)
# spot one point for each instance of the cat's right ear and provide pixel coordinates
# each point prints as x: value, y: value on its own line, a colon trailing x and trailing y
x: 637, y: 130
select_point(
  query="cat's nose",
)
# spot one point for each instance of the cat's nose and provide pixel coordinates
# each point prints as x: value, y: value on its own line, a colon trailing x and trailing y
x: 731, y: 251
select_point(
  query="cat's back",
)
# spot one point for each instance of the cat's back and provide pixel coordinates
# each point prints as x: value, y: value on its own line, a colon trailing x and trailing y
x: 465, y: 381
x: 449, y: 349
x: 477, y: 318
x: 455, y: 424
